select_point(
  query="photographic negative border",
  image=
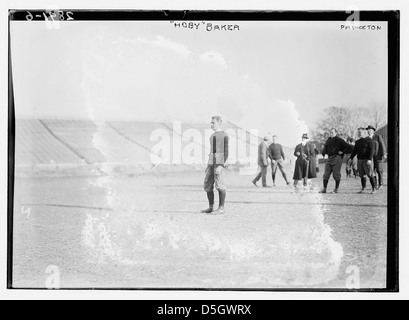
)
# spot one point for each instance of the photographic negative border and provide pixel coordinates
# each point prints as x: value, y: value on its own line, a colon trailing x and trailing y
x: 391, y: 17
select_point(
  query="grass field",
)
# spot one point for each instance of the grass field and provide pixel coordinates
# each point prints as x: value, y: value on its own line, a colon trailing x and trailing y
x: 145, y: 231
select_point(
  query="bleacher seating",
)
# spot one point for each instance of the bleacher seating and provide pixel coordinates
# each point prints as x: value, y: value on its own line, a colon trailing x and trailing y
x: 116, y: 142
x: 79, y: 135
x: 35, y: 145
x: 137, y: 132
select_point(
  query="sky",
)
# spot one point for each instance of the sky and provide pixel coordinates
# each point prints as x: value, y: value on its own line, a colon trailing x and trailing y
x: 272, y: 76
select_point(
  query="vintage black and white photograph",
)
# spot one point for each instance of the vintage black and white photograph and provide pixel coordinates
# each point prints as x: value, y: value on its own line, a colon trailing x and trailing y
x: 191, y: 152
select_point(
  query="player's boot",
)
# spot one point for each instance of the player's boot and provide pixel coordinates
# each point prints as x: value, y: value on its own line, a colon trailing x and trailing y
x: 218, y: 211
x: 323, y: 190
x: 208, y: 210
x: 336, y: 190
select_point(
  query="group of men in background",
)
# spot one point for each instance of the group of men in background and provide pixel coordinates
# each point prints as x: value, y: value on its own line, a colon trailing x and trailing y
x: 370, y: 151
x: 273, y: 151
x: 305, y: 166
x: 364, y: 157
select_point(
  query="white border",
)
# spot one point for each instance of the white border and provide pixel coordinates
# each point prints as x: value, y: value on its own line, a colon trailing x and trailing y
x: 402, y: 5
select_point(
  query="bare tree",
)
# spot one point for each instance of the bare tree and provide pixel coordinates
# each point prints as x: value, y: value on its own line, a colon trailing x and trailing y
x: 331, y: 118
x: 357, y: 117
x: 378, y: 114
x: 347, y: 119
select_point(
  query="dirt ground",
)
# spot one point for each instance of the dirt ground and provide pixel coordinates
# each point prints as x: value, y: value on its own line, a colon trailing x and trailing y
x: 145, y: 231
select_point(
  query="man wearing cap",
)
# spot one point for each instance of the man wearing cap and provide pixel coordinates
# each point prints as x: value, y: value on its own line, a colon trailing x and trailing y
x: 364, y: 150
x: 262, y: 162
x: 276, y: 154
x: 335, y: 148
x: 303, y: 152
x: 380, y: 155
x: 216, y: 168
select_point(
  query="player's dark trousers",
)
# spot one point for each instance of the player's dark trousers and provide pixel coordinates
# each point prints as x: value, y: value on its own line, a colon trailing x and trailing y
x: 366, y: 169
x: 378, y: 171
x: 333, y: 166
x: 261, y: 175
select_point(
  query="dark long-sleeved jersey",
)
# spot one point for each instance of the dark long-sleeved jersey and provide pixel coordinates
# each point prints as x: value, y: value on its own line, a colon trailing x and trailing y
x: 364, y: 149
x: 219, y: 148
x: 276, y: 151
x: 334, y: 145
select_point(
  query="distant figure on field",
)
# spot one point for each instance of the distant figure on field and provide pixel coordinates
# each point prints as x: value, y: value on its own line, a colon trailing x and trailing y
x: 317, y: 163
x: 303, y: 152
x: 364, y: 150
x: 312, y: 170
x: 335, y: 148
x: 380, y: 156
x: 277, y: 156
x: 262, y: 162
x: 351, y: 165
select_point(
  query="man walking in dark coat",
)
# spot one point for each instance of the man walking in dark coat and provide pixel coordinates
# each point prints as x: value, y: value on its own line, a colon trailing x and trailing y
x: 303, y: 152
x: 216, y: 172
x: 335, y: 148
x: 380, y: 156
x: 262, y: 162
x: 276, y: 154
x: 364, y: 150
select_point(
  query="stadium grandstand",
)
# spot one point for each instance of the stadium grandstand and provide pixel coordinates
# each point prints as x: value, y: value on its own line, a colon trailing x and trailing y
x: 58, y: 144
